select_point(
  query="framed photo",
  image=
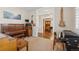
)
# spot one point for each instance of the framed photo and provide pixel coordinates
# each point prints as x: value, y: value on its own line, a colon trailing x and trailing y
x: 10, y: 15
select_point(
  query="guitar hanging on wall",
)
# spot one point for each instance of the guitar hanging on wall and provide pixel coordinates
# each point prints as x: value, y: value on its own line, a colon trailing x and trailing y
x: 61, y: 24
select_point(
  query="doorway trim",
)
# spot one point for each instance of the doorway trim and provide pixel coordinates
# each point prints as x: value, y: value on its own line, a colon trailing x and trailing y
x: 45, y: 19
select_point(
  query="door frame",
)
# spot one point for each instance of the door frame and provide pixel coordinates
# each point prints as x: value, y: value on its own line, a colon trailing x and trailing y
x: 45, y: 19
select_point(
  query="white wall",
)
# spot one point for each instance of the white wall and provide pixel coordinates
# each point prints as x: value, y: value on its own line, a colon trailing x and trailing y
x: 46, y: 12
x: 69, y: 19
x: 54, y: 14
x: 0, y: 28
x: 15, y: 10
x: 35, y: 20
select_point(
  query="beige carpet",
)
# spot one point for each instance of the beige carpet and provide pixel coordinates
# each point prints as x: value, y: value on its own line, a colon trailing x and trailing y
x: 31, y: 38
x: 39, y: 44
x: 43, y: 44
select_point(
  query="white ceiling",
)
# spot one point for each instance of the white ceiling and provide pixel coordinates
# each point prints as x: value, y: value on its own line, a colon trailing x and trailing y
x: 31, y: 8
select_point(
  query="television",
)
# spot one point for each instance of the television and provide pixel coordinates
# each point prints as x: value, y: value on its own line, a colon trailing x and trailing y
x: 26, y: 20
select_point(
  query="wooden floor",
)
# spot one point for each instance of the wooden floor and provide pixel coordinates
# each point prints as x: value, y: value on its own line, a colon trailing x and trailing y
x: 58, y: 45
x: 45, y: 35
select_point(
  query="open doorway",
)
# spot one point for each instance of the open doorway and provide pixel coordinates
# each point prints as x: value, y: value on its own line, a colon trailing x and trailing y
x: 47, y: 27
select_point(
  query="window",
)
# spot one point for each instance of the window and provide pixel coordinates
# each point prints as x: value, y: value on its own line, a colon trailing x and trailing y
x: 77, y: 18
